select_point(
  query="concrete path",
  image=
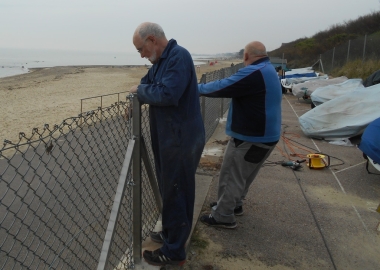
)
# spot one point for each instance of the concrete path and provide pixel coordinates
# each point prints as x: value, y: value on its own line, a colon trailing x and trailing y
x: 294, y: 219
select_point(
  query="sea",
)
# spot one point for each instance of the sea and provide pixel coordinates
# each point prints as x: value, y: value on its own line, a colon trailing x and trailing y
x: 18, y: 61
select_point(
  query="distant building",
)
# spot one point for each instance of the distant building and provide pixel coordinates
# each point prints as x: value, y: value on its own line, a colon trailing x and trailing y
x: 276, y: 61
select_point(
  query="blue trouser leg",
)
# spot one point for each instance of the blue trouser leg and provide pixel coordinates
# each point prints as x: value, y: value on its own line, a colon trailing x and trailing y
x: 175, y: 241
x: 178, y: 195
x: 177, y: 154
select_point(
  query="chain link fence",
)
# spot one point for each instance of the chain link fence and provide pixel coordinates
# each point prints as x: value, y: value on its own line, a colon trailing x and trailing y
x: 213, y: 109
x: 364, y: 48
x: 58, y: 188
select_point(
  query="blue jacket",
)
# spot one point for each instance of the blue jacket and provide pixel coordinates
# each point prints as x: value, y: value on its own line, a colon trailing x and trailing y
x: 255, y: 109
x: 177, y: 130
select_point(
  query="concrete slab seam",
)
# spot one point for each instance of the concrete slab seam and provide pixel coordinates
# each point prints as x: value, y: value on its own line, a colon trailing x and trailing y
x: 292, y: 107
x: 350, y: 167
x: 335, y: 176
x: 353, y: 206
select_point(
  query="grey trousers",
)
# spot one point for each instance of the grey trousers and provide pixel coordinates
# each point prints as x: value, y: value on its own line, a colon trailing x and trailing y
x: 236, y: 175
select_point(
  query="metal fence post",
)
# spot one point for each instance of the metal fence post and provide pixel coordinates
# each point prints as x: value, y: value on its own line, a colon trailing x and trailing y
x: 282, y: 61
x: 150, y: 173
x: 108, y: 238
x: 348, y: 50
x: 203, y: 99
x: 221, y: 108
x: 203, y: 108
x: 321, y: 64
x: 365, y: 41
x: 136, y: 129
x: 81, y: 111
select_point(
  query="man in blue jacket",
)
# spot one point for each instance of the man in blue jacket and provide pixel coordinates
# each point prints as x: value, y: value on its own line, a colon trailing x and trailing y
x: 177, y: 134
x: 254, y: 124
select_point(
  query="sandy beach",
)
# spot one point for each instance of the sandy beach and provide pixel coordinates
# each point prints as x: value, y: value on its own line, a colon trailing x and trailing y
x: 50, y: 95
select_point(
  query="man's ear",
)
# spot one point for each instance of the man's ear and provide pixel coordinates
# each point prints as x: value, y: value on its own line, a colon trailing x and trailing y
x: 153, y: 39
x: 246, y: 56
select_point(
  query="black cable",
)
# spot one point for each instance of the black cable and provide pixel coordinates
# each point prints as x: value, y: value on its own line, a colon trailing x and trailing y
x: 315, y: 220
x: 367, y: 168
x: 313, y: 214
x: 317, y: 152
x: 272, y: 163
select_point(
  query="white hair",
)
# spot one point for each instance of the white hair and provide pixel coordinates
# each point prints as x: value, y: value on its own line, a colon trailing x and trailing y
x: 253, y: 49
x: 151, y: 29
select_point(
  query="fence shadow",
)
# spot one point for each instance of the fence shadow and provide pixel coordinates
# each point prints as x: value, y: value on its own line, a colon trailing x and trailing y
x: 58, y: 185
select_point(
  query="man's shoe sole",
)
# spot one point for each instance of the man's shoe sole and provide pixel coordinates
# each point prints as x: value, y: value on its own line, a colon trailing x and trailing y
x: 235, y: 212
x: 209, y: 220
x: 163, y: 260
x: 238, y: 213
x: 221, y: 226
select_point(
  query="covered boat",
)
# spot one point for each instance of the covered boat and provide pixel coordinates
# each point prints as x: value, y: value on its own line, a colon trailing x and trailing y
x: 343, y: 117
x: 305, y: 89
x: 326, y: 93
x: 373, y: 79
x: 297, y: 75
x: 300, y: 72
x: 370, y: 143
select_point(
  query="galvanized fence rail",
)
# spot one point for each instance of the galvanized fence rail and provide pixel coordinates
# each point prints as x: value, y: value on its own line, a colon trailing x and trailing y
x: 363, y: 49
x: 213, y: 109
x: 56, y: 189
x: 70, y: 197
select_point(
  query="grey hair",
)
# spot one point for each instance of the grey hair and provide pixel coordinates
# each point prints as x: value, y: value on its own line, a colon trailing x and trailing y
x: 253, y: 51
x: 259, y: 52
x: 151, y: 29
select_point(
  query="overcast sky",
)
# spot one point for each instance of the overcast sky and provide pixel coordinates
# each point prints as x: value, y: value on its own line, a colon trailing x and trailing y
x: 201, y: 26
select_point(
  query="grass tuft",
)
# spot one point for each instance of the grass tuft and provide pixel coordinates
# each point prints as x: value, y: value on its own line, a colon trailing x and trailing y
x: 197, y: 241
x: 357, y: 69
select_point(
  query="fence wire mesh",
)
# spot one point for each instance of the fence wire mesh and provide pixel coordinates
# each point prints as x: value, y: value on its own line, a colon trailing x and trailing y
x: 57, y: 188
x: 150, y: 210
x: 213, y: 109
x: 364, y: 48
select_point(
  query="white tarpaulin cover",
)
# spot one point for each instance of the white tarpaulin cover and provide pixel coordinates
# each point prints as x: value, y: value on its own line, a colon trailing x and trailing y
x: 297, y: 75
x: 343, y: 117
x: 297, y: 80
x: 306, y: 88
x: 326, y: 93
x: 300, y: 72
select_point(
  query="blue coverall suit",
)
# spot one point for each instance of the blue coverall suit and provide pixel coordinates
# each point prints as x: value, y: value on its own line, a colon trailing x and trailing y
x: 178, y: 138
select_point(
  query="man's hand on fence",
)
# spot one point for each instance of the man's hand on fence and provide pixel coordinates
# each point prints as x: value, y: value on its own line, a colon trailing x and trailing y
x: 128, y: 113
x: 133, y: 89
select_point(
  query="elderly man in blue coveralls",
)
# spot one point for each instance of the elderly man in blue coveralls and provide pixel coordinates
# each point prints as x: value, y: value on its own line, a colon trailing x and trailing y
x: 254, y: 124
x: 177, y: 133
